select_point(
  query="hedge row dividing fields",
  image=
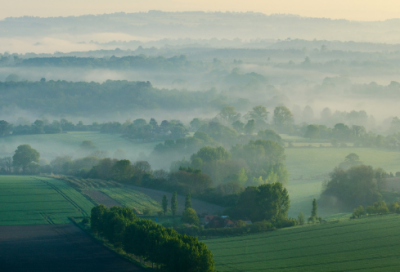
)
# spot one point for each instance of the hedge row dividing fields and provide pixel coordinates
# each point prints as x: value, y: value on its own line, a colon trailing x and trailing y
x: 36, y: 200
x: 368, y: 244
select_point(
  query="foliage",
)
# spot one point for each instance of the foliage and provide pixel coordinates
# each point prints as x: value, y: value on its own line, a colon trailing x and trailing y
x: 270, y: 135
x: 164, y: 204
x: 266, y: 202
x: 314, y: 216
x: 189, y: 216
x: 263, y: 158
x: 26, y: 158
x: 188, y: 202
x: 358, y: 212
x: 174, y: 203
x: 72, y: 98
x: 300, y: 219
x: 353, y: 187
x: 153, y: 242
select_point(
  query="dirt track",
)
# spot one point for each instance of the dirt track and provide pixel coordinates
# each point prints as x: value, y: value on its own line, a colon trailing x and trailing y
x: 101, y: 198
x: 55, y: 248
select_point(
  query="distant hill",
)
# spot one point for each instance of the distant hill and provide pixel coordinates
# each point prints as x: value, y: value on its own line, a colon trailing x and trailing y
x: 205, y: 25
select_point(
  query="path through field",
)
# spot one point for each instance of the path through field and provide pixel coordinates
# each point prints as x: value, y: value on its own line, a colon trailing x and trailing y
x: 56, y: 248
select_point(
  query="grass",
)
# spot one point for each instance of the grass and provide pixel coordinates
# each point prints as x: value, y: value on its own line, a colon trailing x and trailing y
x: 132, y: 199
x: 367, y: 244
x: 37, y: 200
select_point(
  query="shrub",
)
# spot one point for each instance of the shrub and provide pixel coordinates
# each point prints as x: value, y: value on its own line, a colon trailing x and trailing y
x: 359, y: 211
x: 190, y: 217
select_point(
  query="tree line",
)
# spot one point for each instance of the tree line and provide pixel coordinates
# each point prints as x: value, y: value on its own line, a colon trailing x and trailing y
x: 93, y: 99
x: 161, y: 246
x: 175, y: 63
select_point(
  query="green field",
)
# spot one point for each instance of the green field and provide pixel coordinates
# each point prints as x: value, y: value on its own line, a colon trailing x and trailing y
x: 368, y: 244
x: 133, y: 199
x: 309, y: 167
x: 36, y: 200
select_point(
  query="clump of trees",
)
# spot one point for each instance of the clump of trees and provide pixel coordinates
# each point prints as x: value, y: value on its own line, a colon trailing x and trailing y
x: 379, y: 207
x: 267, y: 202
x: 26, y: 159
x: 255, y: 163
x: 361, y: 184
x: 163, y: 247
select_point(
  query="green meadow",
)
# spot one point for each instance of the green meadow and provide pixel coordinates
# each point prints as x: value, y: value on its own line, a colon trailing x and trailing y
x: 367, y: 244
x: 36, y: 200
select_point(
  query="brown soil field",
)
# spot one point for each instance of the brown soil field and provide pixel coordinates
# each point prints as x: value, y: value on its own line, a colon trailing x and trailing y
x: 56, y: 248
x: 101, y: 198
x: 198, y: 205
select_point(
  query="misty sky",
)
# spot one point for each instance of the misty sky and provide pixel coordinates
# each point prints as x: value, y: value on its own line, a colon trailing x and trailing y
x: 365, y: 10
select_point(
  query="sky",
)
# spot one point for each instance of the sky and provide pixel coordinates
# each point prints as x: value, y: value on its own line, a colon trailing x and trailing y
x: 360, y: 10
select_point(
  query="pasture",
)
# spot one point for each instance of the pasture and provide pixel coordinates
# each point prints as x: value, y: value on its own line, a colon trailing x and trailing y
x: 367, y: 244
x: 37, y: 200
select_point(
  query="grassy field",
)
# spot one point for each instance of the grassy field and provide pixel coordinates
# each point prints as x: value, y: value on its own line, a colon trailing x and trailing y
x: 133, y: 199
x: 36, y: 200
x: 52, y: 145
x: 368, y: 244
x: 309, y: 167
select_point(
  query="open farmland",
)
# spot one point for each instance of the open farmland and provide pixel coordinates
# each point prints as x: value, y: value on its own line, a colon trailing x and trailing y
x: 56, y: 248
x: 368, y: 244
x: 36, y: 200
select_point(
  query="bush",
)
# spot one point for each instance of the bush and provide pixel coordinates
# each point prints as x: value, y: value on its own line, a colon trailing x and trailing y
x: 190, y: 217
x: 358, y: 212
x: 146, y: 211
x: 379, y: 207
x: 394, y: 207
x: 86, y: 220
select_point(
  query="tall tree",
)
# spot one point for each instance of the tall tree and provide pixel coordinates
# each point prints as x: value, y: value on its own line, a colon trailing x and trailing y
x: 300, y: 218
x: 259, y: 114
x: 188, y: 202
x: 250, y: 126
x: 266, y: 202
x: 4, y: 128
x: 24, y: 156
x: 165, y: 204
x: 314, y: 208
x: 312, y: 132
x: 122, y: 170
x: 282, y: 116
x: 229, y: 114
x: 174, y: 203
